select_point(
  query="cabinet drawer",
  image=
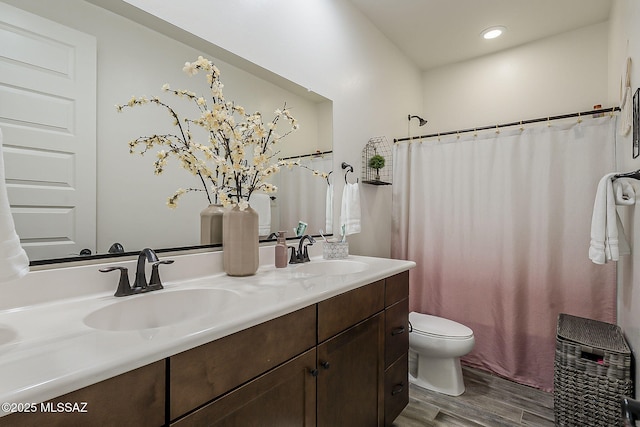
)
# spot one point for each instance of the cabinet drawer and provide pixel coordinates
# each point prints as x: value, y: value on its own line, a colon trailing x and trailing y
x: 135, y: 398
x: 396, y: 288
x: 285, y: 396
x: 340, y: 312
x: 204, y: 373
x: 396, y: 327
x: 396, y: 389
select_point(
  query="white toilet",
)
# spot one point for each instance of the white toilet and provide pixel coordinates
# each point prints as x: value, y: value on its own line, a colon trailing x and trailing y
x: 435, y: 348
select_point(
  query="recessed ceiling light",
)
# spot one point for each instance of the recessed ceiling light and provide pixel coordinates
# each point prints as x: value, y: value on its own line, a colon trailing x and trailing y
x: 493, y: 32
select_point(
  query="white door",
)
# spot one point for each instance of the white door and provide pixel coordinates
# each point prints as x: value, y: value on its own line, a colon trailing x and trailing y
x: 48, y: 118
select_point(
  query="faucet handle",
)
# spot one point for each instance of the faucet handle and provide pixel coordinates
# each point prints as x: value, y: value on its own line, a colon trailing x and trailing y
x: 305, y: 254
x: 124, y: 288
x: 294, y: 255
x: 154, y: 281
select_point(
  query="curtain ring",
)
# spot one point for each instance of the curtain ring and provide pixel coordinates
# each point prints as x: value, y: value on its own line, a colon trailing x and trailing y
x: 475, y: 132
x: 497, y: 129
x: 579, y: 118
x: 521, y: 127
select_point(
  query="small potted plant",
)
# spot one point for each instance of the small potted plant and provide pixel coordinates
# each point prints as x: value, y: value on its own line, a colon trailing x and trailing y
x: 377, y: 162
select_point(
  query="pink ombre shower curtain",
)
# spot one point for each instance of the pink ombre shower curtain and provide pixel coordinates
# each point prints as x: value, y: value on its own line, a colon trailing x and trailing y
x: 499, y: 226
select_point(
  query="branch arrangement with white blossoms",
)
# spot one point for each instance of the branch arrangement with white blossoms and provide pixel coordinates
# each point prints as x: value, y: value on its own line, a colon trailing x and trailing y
x: 239, y: 155
x: 298, y: 162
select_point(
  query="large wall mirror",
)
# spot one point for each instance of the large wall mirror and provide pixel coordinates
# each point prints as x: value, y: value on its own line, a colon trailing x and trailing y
x: 71, y: 180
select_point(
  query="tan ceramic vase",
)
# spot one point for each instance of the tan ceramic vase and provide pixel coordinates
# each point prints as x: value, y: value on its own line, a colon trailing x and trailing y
x: 240, y: 241
x: 211, y: 225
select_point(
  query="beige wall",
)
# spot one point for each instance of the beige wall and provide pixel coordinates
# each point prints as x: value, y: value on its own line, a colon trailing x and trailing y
x: 557, y: 75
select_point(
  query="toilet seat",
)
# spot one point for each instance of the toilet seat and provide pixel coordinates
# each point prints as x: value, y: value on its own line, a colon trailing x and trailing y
x: 433, y: 326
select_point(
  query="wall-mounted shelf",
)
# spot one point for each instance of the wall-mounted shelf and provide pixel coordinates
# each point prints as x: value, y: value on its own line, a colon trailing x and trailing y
x: 377, y: 152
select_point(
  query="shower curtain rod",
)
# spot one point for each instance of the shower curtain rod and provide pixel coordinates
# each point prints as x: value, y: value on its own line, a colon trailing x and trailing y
x: 504, y: 125
x: 316, y: 154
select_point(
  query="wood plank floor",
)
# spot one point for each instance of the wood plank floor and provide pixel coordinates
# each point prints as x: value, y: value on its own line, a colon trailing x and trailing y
x: 487, y: 401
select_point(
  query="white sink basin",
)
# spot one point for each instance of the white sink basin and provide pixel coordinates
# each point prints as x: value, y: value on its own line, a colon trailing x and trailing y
x: 337, y: 267
x: 159, y: 308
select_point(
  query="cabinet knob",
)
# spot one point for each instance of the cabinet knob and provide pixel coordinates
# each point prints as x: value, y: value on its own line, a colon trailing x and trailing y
x: 397, y: 389
x: 398, y: 331
x: 313, y: 372
x: 325, y: 365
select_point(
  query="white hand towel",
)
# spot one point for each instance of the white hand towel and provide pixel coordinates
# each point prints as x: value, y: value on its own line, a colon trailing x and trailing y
x: 328, y: 215
x: 261, y: 203
x: 350, y: 212
x: 608, y: 241
x: 13, y: 259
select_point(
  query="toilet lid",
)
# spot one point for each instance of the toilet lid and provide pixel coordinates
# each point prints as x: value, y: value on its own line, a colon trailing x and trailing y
x: 433, y: 325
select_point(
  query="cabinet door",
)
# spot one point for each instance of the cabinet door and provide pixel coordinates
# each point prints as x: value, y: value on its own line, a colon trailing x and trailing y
x: 350, y: 378
x: 284, y: 396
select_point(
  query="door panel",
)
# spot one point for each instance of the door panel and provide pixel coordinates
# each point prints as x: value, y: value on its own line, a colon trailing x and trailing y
x: 48, y: 119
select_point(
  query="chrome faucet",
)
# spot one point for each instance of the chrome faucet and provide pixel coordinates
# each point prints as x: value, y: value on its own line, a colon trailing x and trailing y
x: 140, y: 284
x: 302, y: 255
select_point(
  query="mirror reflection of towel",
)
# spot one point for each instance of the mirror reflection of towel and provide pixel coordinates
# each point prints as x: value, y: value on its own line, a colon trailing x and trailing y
x: 328, y: 218
x: 261, y: 203
x: 350, y: 213
x: 13, y: 259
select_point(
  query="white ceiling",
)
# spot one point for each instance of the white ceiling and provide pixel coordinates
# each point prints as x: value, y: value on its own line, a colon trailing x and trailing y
x: 433, y: 33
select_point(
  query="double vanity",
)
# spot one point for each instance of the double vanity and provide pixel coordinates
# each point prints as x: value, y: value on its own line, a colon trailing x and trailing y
x: 322, y: 343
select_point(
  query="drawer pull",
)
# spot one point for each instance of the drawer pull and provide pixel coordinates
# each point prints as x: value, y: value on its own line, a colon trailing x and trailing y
x: 313, y: 372
x: 397, y: 331
x: 397, y: 389
x: 325, y: 365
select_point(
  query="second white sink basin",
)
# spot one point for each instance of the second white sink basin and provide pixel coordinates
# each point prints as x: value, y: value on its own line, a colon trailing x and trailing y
x: 159, y: 308
x: 335, y: 267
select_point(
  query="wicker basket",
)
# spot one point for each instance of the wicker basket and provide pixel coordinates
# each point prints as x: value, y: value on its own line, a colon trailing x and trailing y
x: 592, y: 371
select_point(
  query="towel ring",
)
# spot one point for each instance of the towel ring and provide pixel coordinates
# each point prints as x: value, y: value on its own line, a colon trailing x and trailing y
x: 348, y: 168
x: 328, y: 175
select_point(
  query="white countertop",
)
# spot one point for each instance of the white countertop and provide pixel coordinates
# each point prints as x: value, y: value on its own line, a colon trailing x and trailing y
x: 51, y: 352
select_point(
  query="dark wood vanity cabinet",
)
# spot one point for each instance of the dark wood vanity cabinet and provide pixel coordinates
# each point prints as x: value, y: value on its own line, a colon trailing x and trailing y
x: 352, y: 370
x: 341, y: 362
